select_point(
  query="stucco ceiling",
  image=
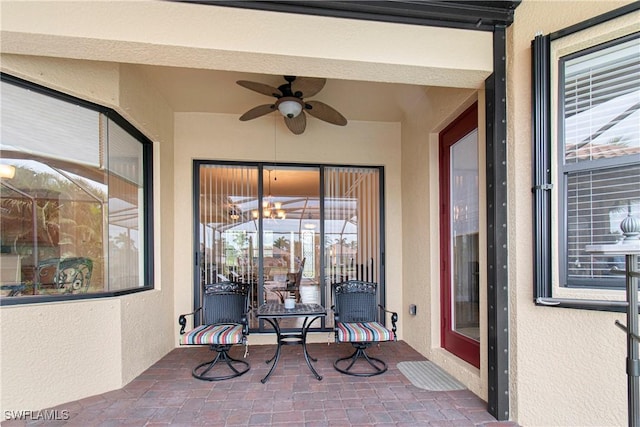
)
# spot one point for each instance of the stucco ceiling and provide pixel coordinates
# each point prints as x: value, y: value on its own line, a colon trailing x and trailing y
x: 212, y: 91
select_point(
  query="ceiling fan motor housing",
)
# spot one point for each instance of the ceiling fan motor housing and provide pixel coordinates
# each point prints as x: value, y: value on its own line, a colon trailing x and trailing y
x: 289, y: 106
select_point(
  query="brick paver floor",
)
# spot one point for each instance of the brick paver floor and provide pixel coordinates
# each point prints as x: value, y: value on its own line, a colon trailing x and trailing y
x: 166, y: 394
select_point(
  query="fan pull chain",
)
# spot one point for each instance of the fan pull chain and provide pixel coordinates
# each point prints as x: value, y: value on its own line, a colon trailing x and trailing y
x: 275, y: 140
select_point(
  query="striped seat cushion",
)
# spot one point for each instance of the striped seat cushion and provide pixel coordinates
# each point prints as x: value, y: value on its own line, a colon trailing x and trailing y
x: 213, y: 334
x: 363, y: 332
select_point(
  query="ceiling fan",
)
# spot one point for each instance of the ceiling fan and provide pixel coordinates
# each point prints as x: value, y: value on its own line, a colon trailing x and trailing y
x: 291, y: 104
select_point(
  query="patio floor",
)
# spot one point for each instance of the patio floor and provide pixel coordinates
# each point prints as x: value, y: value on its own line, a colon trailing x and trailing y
x: 166, y: 394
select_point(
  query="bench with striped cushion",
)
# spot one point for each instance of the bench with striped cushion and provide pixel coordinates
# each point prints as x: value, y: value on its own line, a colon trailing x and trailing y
x: 213, y: 334
x: 363, y: 332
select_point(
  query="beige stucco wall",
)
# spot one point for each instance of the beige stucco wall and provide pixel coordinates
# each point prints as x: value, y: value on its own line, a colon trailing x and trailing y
x: 421, y: 245
x: 567, y: 366
x: 50, y: 350
x: 223, y: 137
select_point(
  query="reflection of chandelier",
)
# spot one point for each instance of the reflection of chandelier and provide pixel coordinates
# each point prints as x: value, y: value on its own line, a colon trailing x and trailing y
x: 273, y: 210
x: 234, y: 212
x: 270, y: 209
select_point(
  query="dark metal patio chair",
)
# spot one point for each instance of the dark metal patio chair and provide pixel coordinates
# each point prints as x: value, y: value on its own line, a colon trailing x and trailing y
x: 357, y: 320
x: 223, y: 323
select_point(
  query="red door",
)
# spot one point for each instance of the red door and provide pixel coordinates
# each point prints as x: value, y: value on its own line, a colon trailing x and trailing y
x: 459, y: 237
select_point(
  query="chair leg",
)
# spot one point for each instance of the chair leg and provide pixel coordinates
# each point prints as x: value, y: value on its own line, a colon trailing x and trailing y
x: 378, y: 365
x: 238, y: 367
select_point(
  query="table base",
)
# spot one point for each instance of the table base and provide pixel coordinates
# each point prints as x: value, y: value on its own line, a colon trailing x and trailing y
x: 284, y: 338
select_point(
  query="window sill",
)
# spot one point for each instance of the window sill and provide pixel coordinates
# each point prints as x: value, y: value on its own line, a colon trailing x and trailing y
x: 39, y: 299
x: 584, y: 304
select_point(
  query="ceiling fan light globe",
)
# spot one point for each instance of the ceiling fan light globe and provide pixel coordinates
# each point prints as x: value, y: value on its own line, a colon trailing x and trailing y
x: 290, y: 108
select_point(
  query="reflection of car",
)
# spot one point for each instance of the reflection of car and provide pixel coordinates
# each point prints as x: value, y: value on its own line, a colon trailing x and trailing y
x: 69, y: 275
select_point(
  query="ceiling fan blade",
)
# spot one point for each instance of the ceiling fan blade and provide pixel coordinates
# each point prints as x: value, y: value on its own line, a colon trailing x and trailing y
x: 258, y: 111
x: 322, y: 111
x: 260, y: 88
x: 298, y: 124
x: 309, y: 86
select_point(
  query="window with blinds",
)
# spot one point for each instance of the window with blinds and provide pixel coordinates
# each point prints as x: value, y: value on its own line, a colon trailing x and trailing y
x: 75, y: 197
x: 599, y: 175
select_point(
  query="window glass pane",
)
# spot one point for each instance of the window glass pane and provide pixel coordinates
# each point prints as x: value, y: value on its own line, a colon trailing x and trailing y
x: 602, y: 103
x: 601, y: 151
x: 290, y: 219
x: 71, y: 194
x: 126, y: 195
x: 597, y: 202
x: 464, y: 238
x: 52, y: 221
x: 228, y: 232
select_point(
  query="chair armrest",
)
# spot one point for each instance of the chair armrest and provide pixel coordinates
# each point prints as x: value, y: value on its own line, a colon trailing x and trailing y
x: 336, y: 316
x: 394, y: 319
x: 245, y: 321
x: 182, y: 320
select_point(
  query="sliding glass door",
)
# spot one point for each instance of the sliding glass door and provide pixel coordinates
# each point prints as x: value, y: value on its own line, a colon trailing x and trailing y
x: 352, y: 226
x: 266, y: 224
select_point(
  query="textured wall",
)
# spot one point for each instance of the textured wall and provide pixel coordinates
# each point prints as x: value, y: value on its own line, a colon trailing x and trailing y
x: 567, y: 366
x: 431, y: 112
x: 50, y: 350
x: 223, y: 137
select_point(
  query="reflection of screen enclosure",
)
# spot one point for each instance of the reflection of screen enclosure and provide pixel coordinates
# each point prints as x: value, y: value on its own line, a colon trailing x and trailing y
x: 465, y: 226
x: 71, y: 194
x: 599, y: 157
x: 264, y: 225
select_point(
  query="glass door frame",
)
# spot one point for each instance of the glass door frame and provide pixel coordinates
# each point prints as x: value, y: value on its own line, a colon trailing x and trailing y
x: 460, y: 345
x: 261, y: 167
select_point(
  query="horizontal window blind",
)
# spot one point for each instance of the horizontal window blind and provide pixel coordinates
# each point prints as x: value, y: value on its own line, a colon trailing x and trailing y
x: 597, y: 201
x: 34, y: 123
x: 600, y: 134
x: 601, y: 93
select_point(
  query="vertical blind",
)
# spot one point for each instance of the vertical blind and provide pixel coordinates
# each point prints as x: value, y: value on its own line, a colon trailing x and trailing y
x: 352, y: 223
x: 228, y: 195
x: 232, y: 212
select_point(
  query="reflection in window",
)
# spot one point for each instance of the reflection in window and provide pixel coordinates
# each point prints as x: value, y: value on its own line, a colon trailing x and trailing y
x: 278, y: 239
x: 72, y: 193
x: 600, y: 144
